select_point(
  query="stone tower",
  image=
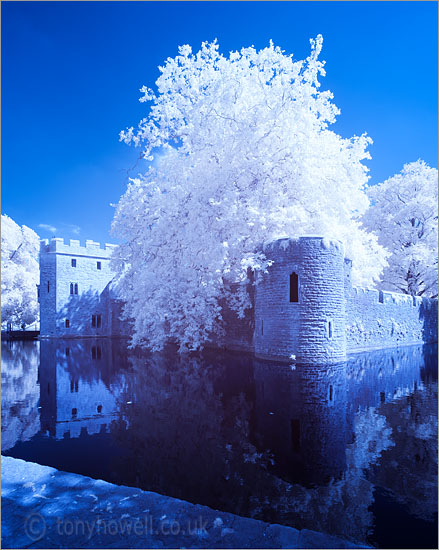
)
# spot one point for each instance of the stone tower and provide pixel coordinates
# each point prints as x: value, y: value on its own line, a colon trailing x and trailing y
x: 300, y: 302
x: 71, y: 291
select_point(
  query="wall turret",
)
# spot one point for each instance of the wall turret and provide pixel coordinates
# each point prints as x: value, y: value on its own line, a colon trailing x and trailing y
x: 300, y: 302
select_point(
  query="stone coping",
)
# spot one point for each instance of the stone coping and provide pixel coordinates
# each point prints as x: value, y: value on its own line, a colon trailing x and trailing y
x: 46, y: 508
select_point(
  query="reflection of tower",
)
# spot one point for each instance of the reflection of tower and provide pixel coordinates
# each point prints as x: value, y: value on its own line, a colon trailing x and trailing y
x: 74, y: 390
x: 300, y: 302
x: 301, y: 418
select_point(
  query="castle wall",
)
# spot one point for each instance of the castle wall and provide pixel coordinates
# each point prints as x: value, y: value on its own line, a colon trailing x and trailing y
x: 89, y: 278
x: 237, y: 333
x: 327, y: 319
x: 378, y: 319
x: 312, y: 328
x: 47, y: 293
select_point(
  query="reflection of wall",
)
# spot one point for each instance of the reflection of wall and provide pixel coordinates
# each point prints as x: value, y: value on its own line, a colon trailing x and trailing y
x: 20, y: 392
x: 74, y: 385
x: 379, y: 376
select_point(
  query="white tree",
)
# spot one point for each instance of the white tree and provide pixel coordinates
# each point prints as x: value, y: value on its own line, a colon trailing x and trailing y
x: 243, y: 154
x: 20, y: 274
x: 404, y: 214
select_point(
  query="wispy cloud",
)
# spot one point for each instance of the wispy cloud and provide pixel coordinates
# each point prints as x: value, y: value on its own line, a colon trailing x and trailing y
x: 75, y: 229
x: 47, y: 227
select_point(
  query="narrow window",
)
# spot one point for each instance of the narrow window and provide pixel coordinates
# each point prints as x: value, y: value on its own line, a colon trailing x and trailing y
x: 295, y: 434
x: 39, y: 291
x: 262, y: 327
x: 73, y: 262
x: 48, y: 286
x: 98, y: 352
x: 99, y: 265
x: 71, y: 288
x: 98, y: 321
x: 93, y: 352
x: 294, y: 287
x: 67, y: 323
x: 74, y: 412
x: 67, y: 352
x: 329, y: 329
x: 382, y: 397
x: 330, y: 392
x: 93, y: 320
x: 99, y: 409
x: 380, y: 297
x: 72, y: 386
x: 76, y: 288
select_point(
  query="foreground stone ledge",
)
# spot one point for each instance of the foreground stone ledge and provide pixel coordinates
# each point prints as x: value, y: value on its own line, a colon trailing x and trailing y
x: 46, y: 508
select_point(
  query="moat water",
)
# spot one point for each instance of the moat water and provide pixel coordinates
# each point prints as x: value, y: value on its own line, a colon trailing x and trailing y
x: 349, y: 450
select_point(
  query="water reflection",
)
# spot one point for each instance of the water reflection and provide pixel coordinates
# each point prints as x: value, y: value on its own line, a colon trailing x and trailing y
x: 326, y: 448
x: 20, y: 392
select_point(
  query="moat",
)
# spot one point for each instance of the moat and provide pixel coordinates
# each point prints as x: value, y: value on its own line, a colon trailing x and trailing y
x: 349, y: 449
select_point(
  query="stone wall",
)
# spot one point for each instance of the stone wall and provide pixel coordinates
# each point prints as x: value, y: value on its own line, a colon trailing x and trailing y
x: 328, y: 320
x: 89, y: 277
x: 312, y: 328
x: 378, y: 319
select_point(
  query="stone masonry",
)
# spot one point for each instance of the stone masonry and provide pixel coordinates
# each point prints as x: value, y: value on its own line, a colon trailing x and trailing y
x: 304, y: 307
x: 74, y: 293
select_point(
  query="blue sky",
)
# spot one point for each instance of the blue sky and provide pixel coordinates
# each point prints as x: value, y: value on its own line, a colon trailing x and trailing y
x: 71, y: 73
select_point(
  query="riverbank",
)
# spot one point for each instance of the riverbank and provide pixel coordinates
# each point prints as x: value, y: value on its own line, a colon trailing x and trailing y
x: 46, y: 508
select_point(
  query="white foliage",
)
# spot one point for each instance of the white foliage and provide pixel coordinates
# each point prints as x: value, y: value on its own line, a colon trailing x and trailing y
x: 245, y: 156
x: 20, y: 273
x: 404, y: 216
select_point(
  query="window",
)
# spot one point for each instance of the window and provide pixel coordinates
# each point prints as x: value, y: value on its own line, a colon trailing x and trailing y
x: 262, y: 327
x: 295, y: 434
x: 73, y: 262
x: 99, y: 265
x: 74, y: 412
x: 67, y: 352
x: 67, y: 323
x: 48, y: 286
x: 71, y: 288
x: 331, y: 393
x: 294, y: 287
x: 96, y: 321
x: 99, y: 409
x: 380, y: 297
x: 76, y: 288
x: 38, y: 290
x: 329, y: 329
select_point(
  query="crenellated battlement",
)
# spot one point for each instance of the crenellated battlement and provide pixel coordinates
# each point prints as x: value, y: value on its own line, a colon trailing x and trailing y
x: 388, y: 297
x: 74, y: 248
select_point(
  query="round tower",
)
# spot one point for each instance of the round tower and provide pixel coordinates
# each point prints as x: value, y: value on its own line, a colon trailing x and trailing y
x: 300, y: 302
